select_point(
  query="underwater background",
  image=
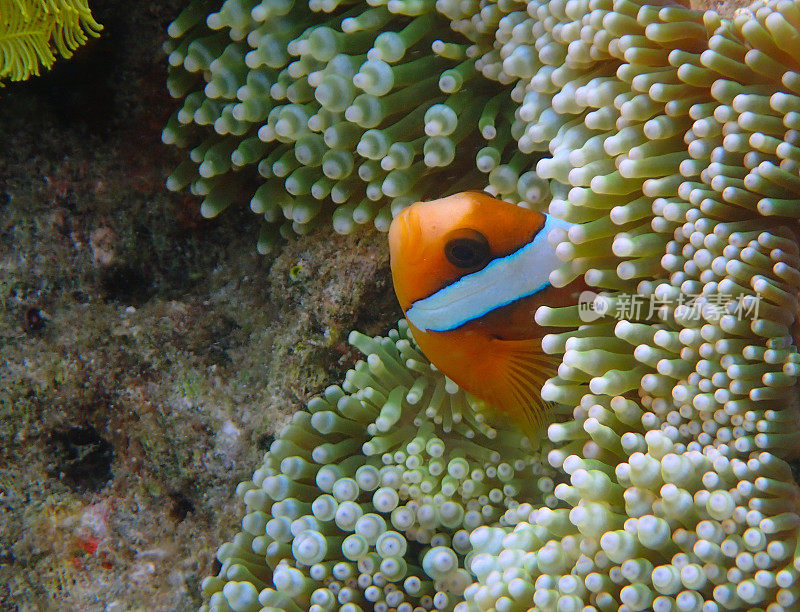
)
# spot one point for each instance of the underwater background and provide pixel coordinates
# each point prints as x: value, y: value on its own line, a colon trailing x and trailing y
x: 147, y: 355
x: 170, y: 350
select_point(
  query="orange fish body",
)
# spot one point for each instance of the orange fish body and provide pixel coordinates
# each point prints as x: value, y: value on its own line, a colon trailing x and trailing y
x: 469, y: 272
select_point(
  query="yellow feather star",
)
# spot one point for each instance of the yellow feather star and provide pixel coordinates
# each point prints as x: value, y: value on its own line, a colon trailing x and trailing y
x: 31, y: 31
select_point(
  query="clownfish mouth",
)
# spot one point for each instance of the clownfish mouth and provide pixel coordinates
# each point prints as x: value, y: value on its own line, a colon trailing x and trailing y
x: 503, y: 281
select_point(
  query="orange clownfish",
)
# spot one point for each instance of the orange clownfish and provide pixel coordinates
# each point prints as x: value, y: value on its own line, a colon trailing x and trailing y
x: 469, y: 272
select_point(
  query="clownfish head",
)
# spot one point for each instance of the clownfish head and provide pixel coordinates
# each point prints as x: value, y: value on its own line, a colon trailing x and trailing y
x: 433, y: 244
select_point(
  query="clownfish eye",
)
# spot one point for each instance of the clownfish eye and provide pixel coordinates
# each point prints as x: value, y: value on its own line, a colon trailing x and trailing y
x: 467, y: 249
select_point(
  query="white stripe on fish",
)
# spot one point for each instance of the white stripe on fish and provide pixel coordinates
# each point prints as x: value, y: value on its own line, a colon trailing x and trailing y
x: 504, y: 280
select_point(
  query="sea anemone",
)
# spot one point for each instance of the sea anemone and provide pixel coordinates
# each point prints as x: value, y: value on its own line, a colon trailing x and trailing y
x: 665, y: 529
x: 669, y: 137
x: 368, y: 499
x: 312, y: 109
x: 665, y: 130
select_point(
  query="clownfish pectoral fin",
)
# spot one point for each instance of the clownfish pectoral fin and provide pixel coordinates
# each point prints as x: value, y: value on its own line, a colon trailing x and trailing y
x: 521, y: 370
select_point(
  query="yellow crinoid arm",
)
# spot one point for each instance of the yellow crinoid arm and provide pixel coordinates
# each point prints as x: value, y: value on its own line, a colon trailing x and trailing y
x: 32, y: 31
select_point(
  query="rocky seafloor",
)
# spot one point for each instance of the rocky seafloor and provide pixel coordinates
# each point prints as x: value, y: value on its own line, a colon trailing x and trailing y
x: 146, y: 355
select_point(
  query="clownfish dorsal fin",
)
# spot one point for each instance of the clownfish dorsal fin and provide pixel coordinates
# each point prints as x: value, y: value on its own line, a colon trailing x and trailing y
x: 521, y: 368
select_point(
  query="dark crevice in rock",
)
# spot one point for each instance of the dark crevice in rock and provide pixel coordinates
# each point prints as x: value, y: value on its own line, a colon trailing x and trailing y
x: 82, y: 457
